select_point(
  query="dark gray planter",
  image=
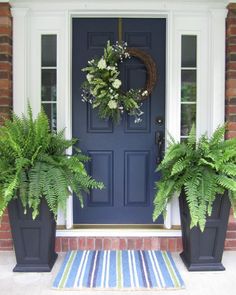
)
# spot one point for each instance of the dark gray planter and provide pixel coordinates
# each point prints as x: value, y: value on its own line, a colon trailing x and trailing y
x: 34, y: 240
x: 202, y: 251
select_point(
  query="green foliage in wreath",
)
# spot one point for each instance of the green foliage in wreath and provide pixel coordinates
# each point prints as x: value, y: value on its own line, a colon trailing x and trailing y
x: 34, y: 165
x: 202, y: 168
x: 102, y: 87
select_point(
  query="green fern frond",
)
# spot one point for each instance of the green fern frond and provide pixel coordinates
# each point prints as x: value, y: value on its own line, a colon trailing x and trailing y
x: 34, y: 165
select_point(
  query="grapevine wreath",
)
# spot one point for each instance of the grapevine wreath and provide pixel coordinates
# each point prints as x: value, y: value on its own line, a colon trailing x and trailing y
x: 102, y: 87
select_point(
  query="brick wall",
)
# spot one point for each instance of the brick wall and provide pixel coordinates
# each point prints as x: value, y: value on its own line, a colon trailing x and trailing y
x: 5, y: 97
x: 63, y: 244
x: 230, y: 109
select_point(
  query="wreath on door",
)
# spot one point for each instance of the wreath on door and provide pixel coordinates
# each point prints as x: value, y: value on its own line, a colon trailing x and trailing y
x: 102, y: 87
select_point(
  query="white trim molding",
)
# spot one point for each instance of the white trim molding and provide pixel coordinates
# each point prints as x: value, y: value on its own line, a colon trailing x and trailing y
x: 118, y: 233
x: 216, y: 55
x: 206, y: 19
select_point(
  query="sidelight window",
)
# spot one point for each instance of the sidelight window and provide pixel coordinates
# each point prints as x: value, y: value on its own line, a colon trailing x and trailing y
x: 188, y: 83
x: 49, y: 77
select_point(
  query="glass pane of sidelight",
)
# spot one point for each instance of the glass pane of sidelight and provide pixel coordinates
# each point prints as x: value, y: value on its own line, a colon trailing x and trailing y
x: 51, y: 111
x: 49, y: 50
x: 188, y: 85
x: 188, y: 117
x: 189, y: 51
x: 49, y: 83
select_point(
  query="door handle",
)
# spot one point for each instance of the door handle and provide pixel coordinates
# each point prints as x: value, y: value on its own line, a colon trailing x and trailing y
x: 159, y: 141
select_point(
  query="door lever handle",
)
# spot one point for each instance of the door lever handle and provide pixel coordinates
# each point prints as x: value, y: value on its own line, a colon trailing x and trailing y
x: 159, y: 141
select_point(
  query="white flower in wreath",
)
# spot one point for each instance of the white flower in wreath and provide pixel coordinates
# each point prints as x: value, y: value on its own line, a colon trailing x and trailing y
x: 116, y: 84
x: 89, y: 77
x: 102, y: 64
x: 112, y: 104
x: 145, y: 92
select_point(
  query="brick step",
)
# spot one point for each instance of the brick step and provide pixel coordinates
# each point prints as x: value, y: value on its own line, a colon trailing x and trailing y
x: 231, y: 235
x: 230, y: 244
x: 231, y: 226
x: 115, y: 243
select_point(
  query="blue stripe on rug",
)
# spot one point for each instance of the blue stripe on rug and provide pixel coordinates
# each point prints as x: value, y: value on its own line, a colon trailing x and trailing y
x: 128, y: 269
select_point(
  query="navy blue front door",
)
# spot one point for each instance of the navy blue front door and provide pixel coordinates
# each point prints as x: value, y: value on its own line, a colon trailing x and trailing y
x: 122, y: 156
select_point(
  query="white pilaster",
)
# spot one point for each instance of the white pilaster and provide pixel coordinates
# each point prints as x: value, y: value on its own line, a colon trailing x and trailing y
x: 217, y: 66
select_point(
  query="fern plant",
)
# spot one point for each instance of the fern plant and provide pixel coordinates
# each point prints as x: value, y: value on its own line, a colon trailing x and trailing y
x: 203, y: 168
x: 34, y: 165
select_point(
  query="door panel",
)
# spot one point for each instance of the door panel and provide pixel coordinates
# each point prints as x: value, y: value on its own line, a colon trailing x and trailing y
x: 122, y: 156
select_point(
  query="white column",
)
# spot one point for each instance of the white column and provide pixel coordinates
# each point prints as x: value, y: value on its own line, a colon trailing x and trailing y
x: 217, y: 67
x: 20, y: 54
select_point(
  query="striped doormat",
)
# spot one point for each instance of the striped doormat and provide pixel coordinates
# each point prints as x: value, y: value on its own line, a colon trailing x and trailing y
x: 116, y: 270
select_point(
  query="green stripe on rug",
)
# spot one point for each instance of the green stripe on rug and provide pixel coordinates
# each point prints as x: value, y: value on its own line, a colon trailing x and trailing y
x: 119, y: 272
x: 173, y: 276
x: 67, y: 269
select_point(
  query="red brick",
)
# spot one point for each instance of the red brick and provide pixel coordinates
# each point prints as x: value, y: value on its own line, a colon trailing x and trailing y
x: 73, y: 243
x: 123, y: 244
x: 231, y: 74
x: 130, y: 243
x: 232, y: 48
x: 107, y: 244
x: 230, y: 243
x: 6, y: 244
x: 90, y: 243
x: 231, y: 65
x: 5, y: 30
x: 98, y: 244
x: 163, y: 243
x: 65, y: 244
x: 4, y: 11
x: 5, y: 235
x: 229, y: 109
x: 6, y: 93
x: 82, y: 243
x: 115, y: 244
x: 231, y: 40
x: 155, y: 244
x: 231, y: 92
x: 5, y: 21
x: 5, y: 101
x: 231, y: 134
x: 172, y: 244
x: 231, y: 235
x: 147, y: 243
x: 231, y: 31
x: 231, y: 83
x: 5, y: 219
x: 231, y: 21
x: 5, y: 227
x: 232, y: 126
x: 139, y: 244
x: 232, y: 226
x: 58, y: 247
x: 179, y: 247
x: 5, y: 66
x: 6, y: 84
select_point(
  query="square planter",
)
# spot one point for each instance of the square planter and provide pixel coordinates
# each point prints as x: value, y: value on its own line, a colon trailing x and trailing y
x: 202, y: 251
x: 34, y: 240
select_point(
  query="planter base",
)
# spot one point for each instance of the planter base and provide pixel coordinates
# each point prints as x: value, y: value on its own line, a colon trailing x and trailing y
x: 218, y: 266
x: 35, y: 268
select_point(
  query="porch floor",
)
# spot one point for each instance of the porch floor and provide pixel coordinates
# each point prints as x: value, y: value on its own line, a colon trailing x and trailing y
x: 206, y: 283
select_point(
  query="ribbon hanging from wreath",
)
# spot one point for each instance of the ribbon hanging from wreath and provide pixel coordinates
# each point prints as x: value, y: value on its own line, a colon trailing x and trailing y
x: 102, y: 87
